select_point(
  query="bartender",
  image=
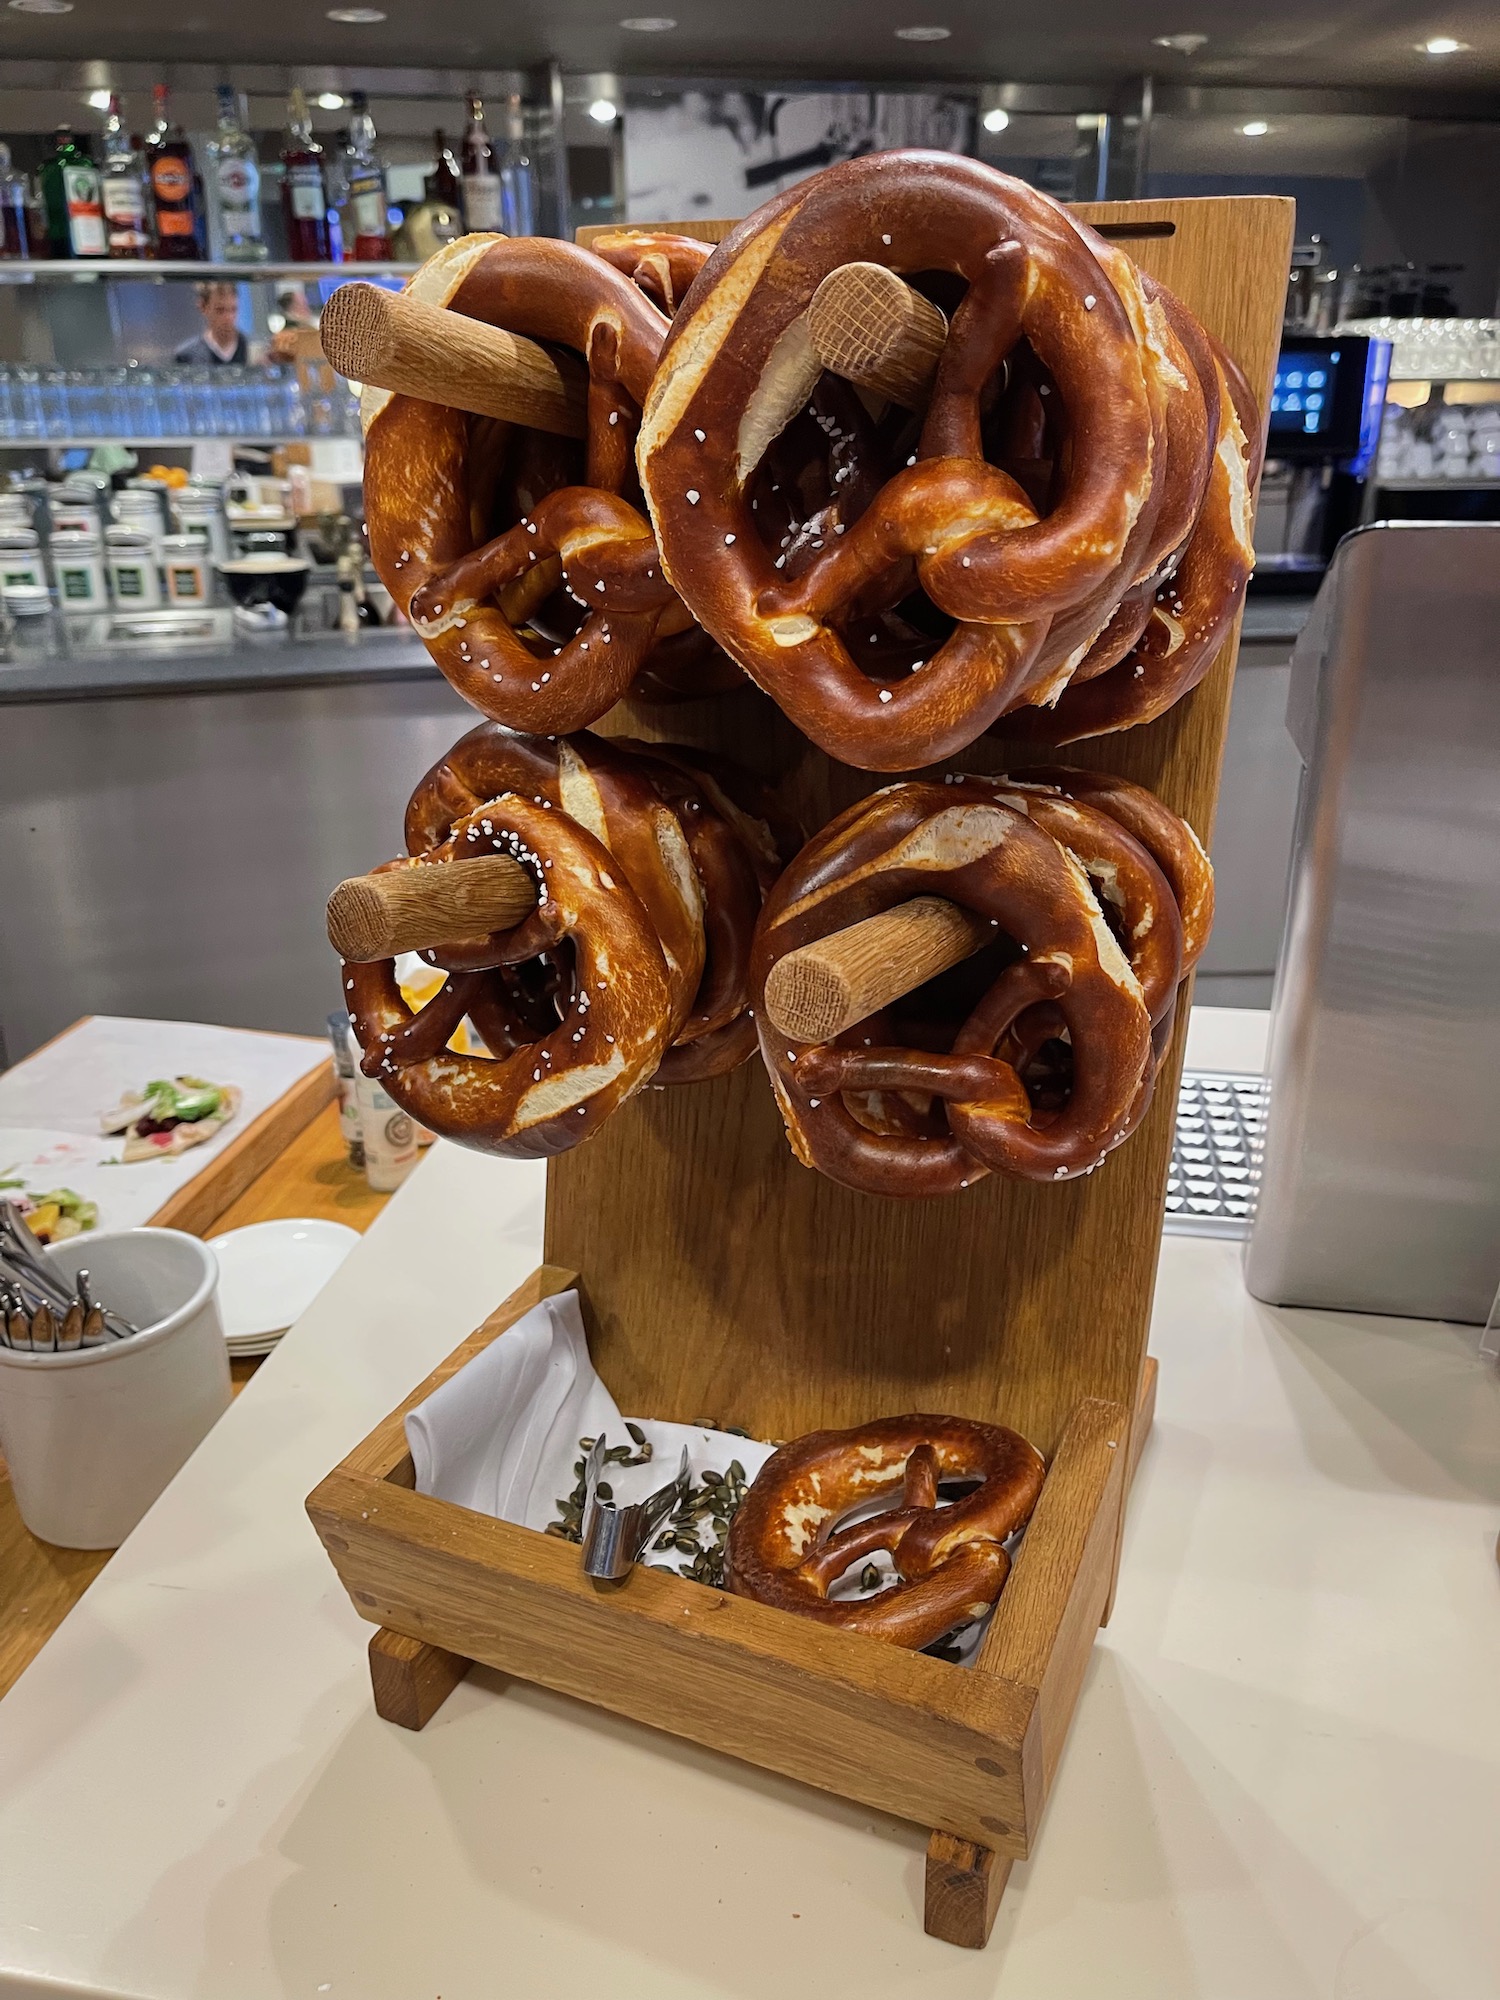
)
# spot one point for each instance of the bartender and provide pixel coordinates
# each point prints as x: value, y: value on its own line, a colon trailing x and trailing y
x: 221, y: 344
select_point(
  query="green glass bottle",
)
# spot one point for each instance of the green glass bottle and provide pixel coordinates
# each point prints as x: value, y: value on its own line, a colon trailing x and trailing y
x: 70, y: 190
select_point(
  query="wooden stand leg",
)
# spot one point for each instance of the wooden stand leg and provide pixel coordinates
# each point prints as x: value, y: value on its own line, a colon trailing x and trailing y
x: 964, y: 1884
x: 411, y: 1679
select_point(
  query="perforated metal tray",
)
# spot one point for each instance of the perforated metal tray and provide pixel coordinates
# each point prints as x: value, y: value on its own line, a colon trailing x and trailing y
x: 1216, y: 1153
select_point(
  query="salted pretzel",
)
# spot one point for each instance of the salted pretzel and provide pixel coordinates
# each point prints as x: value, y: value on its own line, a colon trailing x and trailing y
x: 786, y: 1548
x: 1025, y: 576
x: 946, y: 1116
x: 544, y: 1088
x: 702, y: 877
x: 523, y: 559
x: 662, y: 263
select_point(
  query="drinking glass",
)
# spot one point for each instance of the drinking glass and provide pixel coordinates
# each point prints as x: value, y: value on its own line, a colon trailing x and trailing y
x: 53, y: 390
x: 172, y: 402
x: 7, y: 401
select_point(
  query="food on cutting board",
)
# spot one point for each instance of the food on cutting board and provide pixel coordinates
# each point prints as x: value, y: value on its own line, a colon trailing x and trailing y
x: 170, y: 1115
x: 51, y: 1217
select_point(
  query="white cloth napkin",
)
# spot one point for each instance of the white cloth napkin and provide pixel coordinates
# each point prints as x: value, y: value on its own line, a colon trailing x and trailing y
x: 503, y: 1435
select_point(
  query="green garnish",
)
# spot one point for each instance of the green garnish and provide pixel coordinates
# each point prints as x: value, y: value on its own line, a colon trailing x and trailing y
x: 187, y: 1098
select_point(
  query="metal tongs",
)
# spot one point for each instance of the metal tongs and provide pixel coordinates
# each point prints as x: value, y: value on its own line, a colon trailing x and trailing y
x: 38, y: 1313
x: 613, y: 1537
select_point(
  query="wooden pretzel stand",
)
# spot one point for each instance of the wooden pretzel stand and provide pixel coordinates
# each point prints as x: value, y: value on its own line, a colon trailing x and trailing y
x: 718, y: 1276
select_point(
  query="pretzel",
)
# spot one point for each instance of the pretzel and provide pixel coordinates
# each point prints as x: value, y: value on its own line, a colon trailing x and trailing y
x: 944, y: 1118
x: 543, y: 1089
x: 732, y: 843
x: 785, y: 1547
x: 1185, y: 617
x: 545, y: 625
x: 662, y: 264
x: 1134, y: 431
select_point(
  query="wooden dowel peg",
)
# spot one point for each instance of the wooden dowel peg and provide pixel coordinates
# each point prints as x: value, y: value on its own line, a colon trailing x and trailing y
x: 869, y: 326
x: 817, y: 992
x: 413, y: 909
x: 393, y: 341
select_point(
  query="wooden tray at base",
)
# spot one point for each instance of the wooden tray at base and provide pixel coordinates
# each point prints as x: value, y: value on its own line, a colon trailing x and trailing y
x: 720, y: 1277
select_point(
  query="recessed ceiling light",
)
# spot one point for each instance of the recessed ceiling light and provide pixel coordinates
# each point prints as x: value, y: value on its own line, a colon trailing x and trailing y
x: 1442, y: 45
x: 329, y: 100
x: 604, y: 111
x: 649, y: 24
x: 1185, y: 45
x: 923, y: 34
x: 996, y: 120
x: 356, y: 17
x: 42, y: 6
x: 1256, y: 129
x: 99, y: 100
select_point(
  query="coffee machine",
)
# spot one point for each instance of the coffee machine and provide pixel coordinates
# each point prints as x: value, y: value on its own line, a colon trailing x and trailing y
x: 1326, y: 407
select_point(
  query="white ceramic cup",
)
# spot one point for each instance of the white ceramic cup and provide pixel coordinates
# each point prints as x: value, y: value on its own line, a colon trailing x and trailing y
x: 92, y: 1437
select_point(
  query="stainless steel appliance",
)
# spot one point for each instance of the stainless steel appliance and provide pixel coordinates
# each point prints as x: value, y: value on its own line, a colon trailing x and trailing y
x: 1381, y: 1179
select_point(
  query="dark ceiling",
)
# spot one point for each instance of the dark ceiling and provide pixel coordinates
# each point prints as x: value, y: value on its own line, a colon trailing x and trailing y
x: 1367, y: 43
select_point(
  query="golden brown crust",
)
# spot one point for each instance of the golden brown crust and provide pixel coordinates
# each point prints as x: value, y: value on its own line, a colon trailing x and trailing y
x: 785, y: 1547
x: 959, y: 840
x: 500, y: 612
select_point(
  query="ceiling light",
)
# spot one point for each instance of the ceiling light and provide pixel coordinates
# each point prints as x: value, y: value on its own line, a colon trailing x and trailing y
x: 99, y: 99
x: 1442, y: 45
x: 604, y: 111
x: 42, y: 6
x: 996, y: 120
x: 1256, y: 129
x: 923, y: 34
x: 649, y: 24
x: 329, y: 100
x: 1185, y: 45
x: 356, y: 17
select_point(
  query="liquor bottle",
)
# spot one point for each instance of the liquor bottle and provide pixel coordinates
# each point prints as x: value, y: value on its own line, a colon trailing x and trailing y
x: 70, y: 184
x: 443, y: 184
x: 122, y: 189
x: 169, y: 159
x: 15, y: 234
x: 236, y: 185
x: 304, y: 193
x: 481, y: 173
x: 517, y: 175
x: 368, y: 226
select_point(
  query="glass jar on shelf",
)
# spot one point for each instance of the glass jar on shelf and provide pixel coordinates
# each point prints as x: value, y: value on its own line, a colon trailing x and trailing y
x: 130, y: 557
x: 78, y: 567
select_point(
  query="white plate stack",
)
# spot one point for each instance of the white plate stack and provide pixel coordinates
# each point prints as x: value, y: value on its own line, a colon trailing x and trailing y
x: 270, y: 1273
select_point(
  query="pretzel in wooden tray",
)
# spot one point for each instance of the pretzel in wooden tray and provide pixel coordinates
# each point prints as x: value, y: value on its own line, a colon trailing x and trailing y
x: 520, y: 554
x: 786, y: 1548
x: 1086, y: 901
x: 1061, y: 464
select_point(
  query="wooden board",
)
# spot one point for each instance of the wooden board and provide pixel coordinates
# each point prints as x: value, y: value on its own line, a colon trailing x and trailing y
x: 730, y: 1282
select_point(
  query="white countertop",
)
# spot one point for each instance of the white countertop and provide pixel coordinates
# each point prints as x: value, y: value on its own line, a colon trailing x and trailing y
x: 1283, y: 1782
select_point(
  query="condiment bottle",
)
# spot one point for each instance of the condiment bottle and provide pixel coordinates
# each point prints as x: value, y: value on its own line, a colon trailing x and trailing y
x: 304, y: 192
x: 481, y: 175
x: 70, y: 185
x: 15, y: 233
x: 179, y: 228
x: 122, y: 189
x: 367, y: 196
